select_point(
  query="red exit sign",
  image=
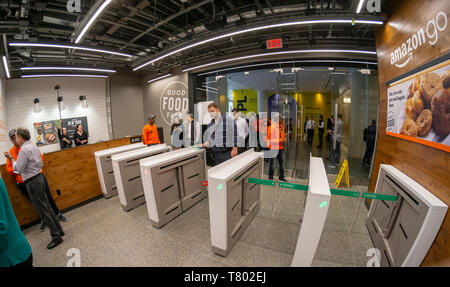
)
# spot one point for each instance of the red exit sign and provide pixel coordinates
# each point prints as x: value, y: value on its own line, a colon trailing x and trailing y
x: 274, y: 43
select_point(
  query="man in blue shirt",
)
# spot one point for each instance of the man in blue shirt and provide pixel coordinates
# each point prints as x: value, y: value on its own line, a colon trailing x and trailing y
x: 221, y: 135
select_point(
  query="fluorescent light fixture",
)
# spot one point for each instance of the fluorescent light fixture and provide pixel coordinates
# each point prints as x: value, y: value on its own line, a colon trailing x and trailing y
x: 330, y: 68
x: 208, y: 87
x: 347, y: 100
x: 69, y: 47
x: 296, y: 69
x: 64, y: 75
x: 246, y: 73
x: 282, y: 53
x: 208, y: 91
x: 5, y: 65
x: 289, y: 62
x: 325, y: 21
x: 338, y: 73
x: 159, y: 78
x: 286, y: 84
x: 89, y: 23
x: 67, y: 68
x: 361, y: 2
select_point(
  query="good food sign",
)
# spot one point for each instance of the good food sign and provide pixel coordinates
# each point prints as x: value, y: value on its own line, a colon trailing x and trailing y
x: 174, y: 101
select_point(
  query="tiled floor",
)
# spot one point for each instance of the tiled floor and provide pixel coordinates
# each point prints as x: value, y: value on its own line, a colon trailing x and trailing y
x: 108, y: 236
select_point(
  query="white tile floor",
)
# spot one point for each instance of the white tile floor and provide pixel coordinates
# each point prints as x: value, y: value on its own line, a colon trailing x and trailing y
x: 108, y: 236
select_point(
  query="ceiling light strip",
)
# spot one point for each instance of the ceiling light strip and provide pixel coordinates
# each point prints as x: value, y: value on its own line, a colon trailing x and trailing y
x: 64, y: 75
x: 358, y: 10
x: 67, y: 68
x: 159, y: 78
x: 89, y: 23
x: 69, y: 47
x: 280, y: 53
x: 5, y: 65
x: 330, y: 21
x: 289, y: 62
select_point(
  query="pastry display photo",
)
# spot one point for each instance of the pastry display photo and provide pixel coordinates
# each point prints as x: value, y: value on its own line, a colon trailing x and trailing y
x: 420, y: 106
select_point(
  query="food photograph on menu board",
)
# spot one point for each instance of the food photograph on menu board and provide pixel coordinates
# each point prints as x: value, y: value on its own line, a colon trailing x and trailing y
x: 46, y: 132
x: 419, y: 107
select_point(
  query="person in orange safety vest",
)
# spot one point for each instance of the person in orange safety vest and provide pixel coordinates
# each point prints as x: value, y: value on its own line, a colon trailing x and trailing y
x: 150, y: 132
x: 275, y: 139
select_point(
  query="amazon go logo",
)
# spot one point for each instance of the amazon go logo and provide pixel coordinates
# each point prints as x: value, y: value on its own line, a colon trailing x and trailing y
x: 174, y: 101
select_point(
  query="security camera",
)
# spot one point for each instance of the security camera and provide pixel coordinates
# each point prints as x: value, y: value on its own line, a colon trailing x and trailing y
x: 57, y: 87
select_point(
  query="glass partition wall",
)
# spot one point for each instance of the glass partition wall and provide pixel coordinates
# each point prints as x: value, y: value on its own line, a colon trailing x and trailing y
x: 300, y: 94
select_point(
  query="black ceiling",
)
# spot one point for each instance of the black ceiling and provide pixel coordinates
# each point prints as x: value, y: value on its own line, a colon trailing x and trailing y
x: 145, y: 28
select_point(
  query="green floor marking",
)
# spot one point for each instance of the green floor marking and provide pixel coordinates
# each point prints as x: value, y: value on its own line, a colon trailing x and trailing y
x: 261, y: 181
x: 293, y: 186
x: 385, y: 197
x: 344, y: 192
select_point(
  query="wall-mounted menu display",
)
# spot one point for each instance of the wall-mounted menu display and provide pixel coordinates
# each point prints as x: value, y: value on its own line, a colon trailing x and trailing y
x: 419, y: 107
x: 71, y: 125
x: 46, y: 132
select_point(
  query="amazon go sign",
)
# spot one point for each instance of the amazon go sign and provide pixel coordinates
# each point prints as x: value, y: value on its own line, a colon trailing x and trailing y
x: 403, y: 54
x: 174, y: 101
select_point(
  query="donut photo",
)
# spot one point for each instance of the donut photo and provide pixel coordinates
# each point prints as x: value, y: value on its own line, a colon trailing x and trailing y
x: 419, y: 107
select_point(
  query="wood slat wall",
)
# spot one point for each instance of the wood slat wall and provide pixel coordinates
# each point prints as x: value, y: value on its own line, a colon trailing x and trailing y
x: 72, y: 171
x: 426, y: 165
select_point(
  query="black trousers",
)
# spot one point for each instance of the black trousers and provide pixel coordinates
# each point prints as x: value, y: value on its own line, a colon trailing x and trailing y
x: 310, y: 136
x: 24, y: 191
x: 320, y: 137
x: 26, y: 263
x: 221, y: 156
x: 36, y: 190
x: 370, y: 145
x: 280, y: 165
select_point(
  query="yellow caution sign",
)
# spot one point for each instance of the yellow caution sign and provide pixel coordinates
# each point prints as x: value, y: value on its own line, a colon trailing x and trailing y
x: 344, y: 169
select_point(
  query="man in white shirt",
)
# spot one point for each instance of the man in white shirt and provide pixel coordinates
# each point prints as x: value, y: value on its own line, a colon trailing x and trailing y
x: 310, y: 126
x: 192, y: 131
x: 29, y: 164
x: 242, y: 130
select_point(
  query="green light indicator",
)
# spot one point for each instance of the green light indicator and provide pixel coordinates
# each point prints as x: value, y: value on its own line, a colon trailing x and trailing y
x: 220, y: 186
x: 324, y: 203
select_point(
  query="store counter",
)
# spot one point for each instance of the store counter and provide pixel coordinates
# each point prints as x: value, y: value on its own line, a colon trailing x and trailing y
x: 72, y: 177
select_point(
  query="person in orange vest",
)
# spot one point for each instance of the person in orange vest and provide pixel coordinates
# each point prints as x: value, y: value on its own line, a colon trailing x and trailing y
x: 14, y: 151
x: 150, y: 132
x: 275, y: 139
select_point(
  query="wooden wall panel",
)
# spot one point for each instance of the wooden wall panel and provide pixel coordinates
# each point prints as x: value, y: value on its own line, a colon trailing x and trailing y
x: 428, y: 166
x: 72, y: 171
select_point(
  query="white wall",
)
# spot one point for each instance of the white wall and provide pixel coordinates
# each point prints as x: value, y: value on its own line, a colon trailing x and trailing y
x: 4, y: 141
x: 20, y: 94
